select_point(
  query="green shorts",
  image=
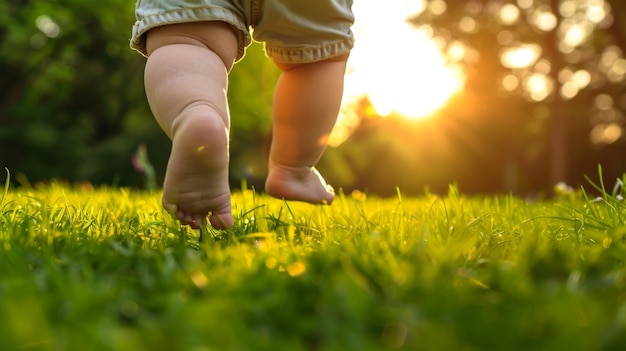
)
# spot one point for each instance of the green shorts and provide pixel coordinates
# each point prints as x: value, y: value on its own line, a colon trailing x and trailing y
x: 294, y: 31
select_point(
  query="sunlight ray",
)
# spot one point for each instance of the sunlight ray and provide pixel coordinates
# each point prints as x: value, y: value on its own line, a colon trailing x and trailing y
x: 396, y: 65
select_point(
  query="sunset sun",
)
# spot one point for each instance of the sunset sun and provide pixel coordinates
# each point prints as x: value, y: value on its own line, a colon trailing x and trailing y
x: 395, y: 65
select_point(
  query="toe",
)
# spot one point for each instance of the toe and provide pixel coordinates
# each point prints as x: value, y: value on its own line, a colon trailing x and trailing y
x: 198, y: 221
x: 330, y: 196
x: 185, y: 218
x: 171, y: 208
x: 222, y: 219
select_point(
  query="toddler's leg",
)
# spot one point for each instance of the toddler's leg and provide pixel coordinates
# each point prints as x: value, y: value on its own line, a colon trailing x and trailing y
x: 186, y: 78
x: 306, y: 104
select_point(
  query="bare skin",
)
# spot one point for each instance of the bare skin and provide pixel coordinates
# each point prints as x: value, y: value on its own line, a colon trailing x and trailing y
x: 186, y: 78
x: 306, y: 103
x: 186, y: 81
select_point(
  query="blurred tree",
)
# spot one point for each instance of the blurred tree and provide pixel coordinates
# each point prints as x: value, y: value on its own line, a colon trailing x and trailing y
x: 72, y: 103
x: 251, y: 90
x: 539, y: 72
x: 565, y: 57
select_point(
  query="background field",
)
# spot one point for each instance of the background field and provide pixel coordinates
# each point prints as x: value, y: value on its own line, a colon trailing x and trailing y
x: 100, y: 266
x: 72, y: 102
x: 86, y: 268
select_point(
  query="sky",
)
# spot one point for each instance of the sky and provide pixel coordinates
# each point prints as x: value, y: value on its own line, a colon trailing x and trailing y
x: 401, y: 70
x: 395, y: 64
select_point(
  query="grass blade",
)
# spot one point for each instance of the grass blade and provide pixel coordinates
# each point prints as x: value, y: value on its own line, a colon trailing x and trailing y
x: 6, y: 186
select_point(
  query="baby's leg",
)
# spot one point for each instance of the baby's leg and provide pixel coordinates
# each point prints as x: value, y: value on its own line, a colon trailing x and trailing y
x: 186, y: 78
x: 306, y: 104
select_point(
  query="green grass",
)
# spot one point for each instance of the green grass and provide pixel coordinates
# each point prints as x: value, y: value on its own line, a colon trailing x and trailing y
x: 107, y: 269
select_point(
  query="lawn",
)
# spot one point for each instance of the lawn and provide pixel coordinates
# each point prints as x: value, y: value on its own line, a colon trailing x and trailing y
x: 84, y: 268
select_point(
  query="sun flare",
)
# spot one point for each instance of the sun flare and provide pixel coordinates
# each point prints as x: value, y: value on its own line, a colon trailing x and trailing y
x: 396, y: 65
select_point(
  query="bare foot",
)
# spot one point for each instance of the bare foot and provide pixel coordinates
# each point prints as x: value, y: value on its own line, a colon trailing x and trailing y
x: 196, y: 181
x: 298, y: 184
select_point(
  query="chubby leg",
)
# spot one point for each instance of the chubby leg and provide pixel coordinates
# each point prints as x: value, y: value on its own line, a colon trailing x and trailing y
x: 186, y: 79
x: 306, y: 104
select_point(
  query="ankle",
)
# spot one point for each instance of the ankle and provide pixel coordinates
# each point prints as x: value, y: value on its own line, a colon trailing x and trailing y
x: 295, y: 171
x: 205, y: 128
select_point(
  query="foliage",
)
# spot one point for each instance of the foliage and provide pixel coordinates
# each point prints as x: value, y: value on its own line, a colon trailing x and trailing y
x: 70, y: 90
x: 501, y: 133
x: 561, y: 101
x: 107, y: 269
x: 73, y: 106
x: 250, y: 97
